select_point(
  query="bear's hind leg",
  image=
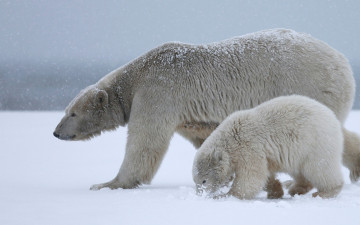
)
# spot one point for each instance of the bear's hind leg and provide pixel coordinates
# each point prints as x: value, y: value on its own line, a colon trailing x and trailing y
x: 274, y: 188
x: 351, y: 155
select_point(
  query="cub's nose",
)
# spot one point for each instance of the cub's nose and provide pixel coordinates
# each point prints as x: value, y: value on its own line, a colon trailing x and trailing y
x: 56, y: 134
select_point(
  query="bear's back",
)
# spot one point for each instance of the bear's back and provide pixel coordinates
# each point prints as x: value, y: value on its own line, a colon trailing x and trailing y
x: 257, y: 67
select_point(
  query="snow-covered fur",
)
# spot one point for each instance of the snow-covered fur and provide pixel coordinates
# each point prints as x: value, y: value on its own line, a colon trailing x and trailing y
x: 191, y: 89
x: 293, y: 134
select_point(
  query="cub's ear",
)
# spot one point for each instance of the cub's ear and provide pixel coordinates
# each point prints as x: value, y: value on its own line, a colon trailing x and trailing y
x: 101, y: 98
x: 217, y: 156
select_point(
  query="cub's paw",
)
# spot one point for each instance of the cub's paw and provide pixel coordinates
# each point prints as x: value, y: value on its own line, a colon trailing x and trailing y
x: 221, y: 196
x: 329, y: 193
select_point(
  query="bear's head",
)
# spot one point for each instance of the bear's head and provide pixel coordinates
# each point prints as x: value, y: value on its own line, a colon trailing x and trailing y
x: 86, y: 116
x: 212, y: 170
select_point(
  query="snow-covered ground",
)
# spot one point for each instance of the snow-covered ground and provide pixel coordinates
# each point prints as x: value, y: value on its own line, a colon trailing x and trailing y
x: 46, y: 181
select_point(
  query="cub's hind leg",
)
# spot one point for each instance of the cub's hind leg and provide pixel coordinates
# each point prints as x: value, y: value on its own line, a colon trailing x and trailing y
x: 326, y: 177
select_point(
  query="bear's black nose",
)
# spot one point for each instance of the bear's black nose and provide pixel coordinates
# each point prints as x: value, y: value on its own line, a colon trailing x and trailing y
x: 56, y: 135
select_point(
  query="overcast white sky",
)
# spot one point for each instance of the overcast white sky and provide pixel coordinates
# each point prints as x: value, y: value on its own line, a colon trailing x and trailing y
x: 118, y: 31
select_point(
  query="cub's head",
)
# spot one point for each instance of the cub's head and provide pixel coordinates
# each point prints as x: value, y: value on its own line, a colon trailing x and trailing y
x: 86, y: 116
x: 212, y: 171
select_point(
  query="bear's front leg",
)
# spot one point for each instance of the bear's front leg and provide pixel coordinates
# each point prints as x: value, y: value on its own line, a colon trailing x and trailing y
x: 146, y: 146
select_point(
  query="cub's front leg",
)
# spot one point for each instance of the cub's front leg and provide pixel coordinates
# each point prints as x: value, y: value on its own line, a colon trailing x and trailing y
x: 251, y: 176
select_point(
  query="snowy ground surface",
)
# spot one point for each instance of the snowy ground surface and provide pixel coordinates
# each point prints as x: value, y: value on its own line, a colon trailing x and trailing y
x: 46, y: 181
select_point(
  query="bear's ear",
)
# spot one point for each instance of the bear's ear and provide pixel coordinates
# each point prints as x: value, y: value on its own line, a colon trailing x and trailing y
x: 101, y: 98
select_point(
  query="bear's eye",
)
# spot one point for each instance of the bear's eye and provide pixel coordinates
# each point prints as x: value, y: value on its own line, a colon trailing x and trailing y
x: 73, y: 114
x: 204, y: 181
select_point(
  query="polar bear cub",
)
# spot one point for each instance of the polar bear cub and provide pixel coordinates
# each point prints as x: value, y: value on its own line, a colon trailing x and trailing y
x: 292, y: 134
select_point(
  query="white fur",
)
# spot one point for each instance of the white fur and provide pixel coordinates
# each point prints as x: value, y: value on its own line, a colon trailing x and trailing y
x: 293, y: 134
x: 191, y: 89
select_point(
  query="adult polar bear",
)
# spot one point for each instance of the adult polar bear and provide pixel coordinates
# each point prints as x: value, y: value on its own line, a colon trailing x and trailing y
x: 191, y: 89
